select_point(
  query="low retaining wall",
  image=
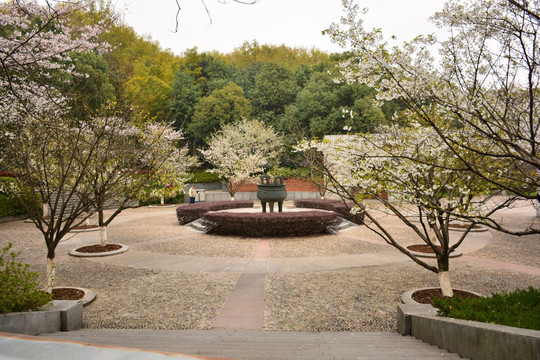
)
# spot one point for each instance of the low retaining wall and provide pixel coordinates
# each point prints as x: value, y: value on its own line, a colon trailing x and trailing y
x: 61, y: 315
x: 470, y: 339
x: 291, y: 195
x: 5, y: 219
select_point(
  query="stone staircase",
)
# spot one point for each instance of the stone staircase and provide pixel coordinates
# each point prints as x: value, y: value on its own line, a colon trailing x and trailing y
x: 265, y: 345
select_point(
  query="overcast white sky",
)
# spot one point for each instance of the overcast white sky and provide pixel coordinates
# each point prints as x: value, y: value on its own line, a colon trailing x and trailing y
x: 290, y: 22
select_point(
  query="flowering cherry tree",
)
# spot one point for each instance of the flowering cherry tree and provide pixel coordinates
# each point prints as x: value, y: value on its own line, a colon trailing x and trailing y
x: 483, y: 84
x: 49, y: 170
x: 38, y: 143
x: 240, y: 150
x: 125, y: 159
x: 427, y: 185
x: 36, y: 43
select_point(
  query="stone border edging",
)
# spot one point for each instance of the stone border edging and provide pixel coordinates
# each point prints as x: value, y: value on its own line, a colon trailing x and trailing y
x: 406, y: 297
x: 89, y: 295
x: 95, y: 228
x: 61, y: 315
x: 164, y: 206
x: 470, y: 339
x: 481, y: 229
x: 455, y: 253
x: 123, y: 249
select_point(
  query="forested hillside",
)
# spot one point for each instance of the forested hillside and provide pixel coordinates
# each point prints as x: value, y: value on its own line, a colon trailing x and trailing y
x: 292, y: 89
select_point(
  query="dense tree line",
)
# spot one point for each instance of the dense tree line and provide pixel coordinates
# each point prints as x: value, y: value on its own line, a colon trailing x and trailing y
x: 291, y: 89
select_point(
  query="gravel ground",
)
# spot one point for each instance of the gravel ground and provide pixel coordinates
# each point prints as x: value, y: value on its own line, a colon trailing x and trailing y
x: 364, y: 299
x: 130, y: 298
x: 524, y: 250
x: 205, y: 245
x: 326, y: 245
x: 349, y: 299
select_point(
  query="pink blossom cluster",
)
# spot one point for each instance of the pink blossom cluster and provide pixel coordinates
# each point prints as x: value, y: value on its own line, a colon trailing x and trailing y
x: 35, y: 43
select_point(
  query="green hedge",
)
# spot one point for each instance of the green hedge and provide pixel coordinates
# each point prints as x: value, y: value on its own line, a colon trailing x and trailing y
x: 9, y: 205
x: 203, y: 177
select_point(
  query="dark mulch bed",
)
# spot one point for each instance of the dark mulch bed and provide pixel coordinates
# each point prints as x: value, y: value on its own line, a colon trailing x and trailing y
x: 425, y: 296
x: 98, y: 248
x: 463, y: 226
x: 67, y: 294
x: 426, y: 249
x: 86, y: 227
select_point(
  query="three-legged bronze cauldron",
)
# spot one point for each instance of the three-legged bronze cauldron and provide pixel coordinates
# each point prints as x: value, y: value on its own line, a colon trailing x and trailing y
x: 271, y: 192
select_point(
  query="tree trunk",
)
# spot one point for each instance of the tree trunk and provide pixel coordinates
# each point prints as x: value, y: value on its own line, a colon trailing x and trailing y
x: 103, y: 235
x: 446, y: 286
x: 50, y: 275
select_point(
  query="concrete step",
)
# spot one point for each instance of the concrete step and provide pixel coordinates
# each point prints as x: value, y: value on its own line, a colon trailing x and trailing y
x: 345, y: 224
x: 197, y: 225
x: 267, y: 345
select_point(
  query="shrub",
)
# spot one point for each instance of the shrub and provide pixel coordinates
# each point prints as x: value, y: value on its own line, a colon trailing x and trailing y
x: 271, y: 224
x: 203, y: 177
x: 18, y: 286
x: 9, y: 204
x: 520, y: 308
x: 188, y: 213
x: 301, y: 172
x: 338, y: 206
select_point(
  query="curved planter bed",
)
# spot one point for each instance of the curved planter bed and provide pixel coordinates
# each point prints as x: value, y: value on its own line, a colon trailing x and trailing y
x: 431, y: 254
x: 470, y: 339
x: 122, y: 249
x: 457, y: 226
x: 299, y: 223
x: 87, y: 228
x: 89, y: 295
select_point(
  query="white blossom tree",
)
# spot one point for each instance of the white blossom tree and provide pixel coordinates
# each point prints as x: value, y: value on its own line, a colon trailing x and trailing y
x: 35, y: 46
x: 125, y: 159
x: 483, y: 85
x: 241, y: 150
x: 49, y: 170
x: 427, y: 186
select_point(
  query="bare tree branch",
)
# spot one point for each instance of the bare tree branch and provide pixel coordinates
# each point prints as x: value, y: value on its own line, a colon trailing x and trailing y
x: 248, y: 2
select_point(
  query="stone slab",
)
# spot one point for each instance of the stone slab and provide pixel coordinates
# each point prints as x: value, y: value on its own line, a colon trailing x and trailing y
x: 477, y: 340
x: 61, y: 315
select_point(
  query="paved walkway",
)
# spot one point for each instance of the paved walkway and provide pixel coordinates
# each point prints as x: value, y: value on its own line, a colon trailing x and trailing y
x: 236, y: 330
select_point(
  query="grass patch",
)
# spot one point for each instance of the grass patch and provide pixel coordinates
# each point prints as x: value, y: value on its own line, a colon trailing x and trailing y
x: 520, y: 308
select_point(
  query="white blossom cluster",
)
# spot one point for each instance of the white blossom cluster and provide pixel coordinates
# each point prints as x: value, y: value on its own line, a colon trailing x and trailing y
x: 412, y: 164
x: 241, y: 150
x: 479, y: 92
